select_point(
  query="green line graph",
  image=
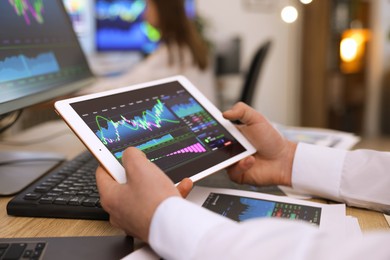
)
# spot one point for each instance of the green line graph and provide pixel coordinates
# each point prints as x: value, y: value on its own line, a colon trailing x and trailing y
x: 116, y: 130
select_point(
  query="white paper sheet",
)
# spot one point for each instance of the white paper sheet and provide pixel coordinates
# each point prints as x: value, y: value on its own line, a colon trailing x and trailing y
x: 319, y: 136
x: 353, y: 227
x: 144, y: 253
x: 332, y: 219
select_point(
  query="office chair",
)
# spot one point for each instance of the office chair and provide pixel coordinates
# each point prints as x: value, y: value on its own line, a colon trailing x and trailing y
x: 253, y: 73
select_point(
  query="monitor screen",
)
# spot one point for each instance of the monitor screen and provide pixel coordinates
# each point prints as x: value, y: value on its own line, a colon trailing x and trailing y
x: 120, y: 26
x: 78, y: 13
x: 40, y: 56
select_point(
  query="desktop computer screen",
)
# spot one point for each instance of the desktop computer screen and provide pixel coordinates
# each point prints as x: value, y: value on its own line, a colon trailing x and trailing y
x: 78, y: 11
x: 40, y: 59
x: 120, y: 26
x: 40, y: 56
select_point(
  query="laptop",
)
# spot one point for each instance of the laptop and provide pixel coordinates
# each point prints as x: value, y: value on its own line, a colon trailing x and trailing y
x: 103, y: 247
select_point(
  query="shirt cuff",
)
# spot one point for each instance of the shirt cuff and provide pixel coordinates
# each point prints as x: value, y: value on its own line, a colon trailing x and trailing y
x: 178, y: 226
x: 317, y: 170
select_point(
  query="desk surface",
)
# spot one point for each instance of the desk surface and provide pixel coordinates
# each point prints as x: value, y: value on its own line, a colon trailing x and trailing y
x: 34, y: 227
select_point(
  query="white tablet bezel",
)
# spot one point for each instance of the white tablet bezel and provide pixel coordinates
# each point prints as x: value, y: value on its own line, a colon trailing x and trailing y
x: 107, y: 159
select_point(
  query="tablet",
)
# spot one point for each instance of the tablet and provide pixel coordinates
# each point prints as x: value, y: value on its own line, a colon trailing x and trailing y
x: 170, y: 120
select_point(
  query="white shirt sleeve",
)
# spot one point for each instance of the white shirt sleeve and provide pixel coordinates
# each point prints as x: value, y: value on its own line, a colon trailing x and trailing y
x: 178, y: 226
x: 182, y: 230
x: 358, y: 178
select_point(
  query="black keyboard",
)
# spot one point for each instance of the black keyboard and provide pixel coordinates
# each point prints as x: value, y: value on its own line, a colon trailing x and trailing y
x: 69, y: 191
x: 22, y: 250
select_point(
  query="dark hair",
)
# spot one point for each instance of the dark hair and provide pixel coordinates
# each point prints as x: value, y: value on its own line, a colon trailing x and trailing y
x: 176, y: 28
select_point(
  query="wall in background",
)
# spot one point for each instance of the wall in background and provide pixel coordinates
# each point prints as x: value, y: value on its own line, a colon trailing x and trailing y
x: 278, y: 95
x: 379, y: 64
x: 279, y: 87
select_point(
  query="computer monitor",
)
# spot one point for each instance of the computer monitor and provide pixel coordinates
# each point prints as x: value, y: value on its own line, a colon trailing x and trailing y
x: 120, y: 26
x: 78, y: 11
x: 40, y: 59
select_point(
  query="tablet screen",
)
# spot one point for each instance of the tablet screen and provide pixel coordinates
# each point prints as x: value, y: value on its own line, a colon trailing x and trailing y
x: 164, y: 121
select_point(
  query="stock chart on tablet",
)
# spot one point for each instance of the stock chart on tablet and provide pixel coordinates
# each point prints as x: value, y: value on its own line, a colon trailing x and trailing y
x: 165, y: 122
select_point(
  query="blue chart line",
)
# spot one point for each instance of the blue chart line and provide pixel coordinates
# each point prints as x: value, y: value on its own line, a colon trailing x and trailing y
x: 126, y: 11
x: 127, y: 129
x: 120, y: 25
x: 183, y: 110
x: 20, y: 67
x: 150, y: 144
x: 255, y: 208
x: 131, y: 38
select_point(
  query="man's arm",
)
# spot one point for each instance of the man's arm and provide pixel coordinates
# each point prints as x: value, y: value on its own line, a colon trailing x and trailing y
x: 183, y: 230
x: 358, y: 178
x: 150, y: 207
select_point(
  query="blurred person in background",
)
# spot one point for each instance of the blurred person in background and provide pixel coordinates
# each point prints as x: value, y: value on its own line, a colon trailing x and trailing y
x: 182, y: 50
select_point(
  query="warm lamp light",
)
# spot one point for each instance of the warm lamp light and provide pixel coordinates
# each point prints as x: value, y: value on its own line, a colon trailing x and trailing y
x: 352, y: 50
x: 348, y: 49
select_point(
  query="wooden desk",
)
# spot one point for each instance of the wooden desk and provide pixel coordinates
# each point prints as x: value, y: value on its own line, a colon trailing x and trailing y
x: 33, y: 227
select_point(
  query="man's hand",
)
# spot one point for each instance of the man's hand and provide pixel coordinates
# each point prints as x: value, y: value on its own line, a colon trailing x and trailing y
x: 272, y: 163
x: 131, y: 206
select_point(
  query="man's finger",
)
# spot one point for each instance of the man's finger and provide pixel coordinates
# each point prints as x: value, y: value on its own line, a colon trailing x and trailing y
x: 244, y: 113
x: 184, y: 187
x: 235, y: 171
x: 132, y: 159
x: 104, y: 179
x: 107, y: 186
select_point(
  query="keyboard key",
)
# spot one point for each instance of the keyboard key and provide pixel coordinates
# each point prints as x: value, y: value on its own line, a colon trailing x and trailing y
x: 3, y: 248
x: 27, y: 254
x: 42, y: 188
x: 90, y: 202
x: 40, y: 246
x: 62, y: 200
x: 15, y: 251
x: 36, y: 254
x: 69, y: 191
x: 47, y: 200
x: 32, y: 196
x: 4, y: 245
x: 76, y: 201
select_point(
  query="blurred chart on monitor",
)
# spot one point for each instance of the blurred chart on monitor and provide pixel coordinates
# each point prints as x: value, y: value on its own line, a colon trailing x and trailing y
x: 120, y: 26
